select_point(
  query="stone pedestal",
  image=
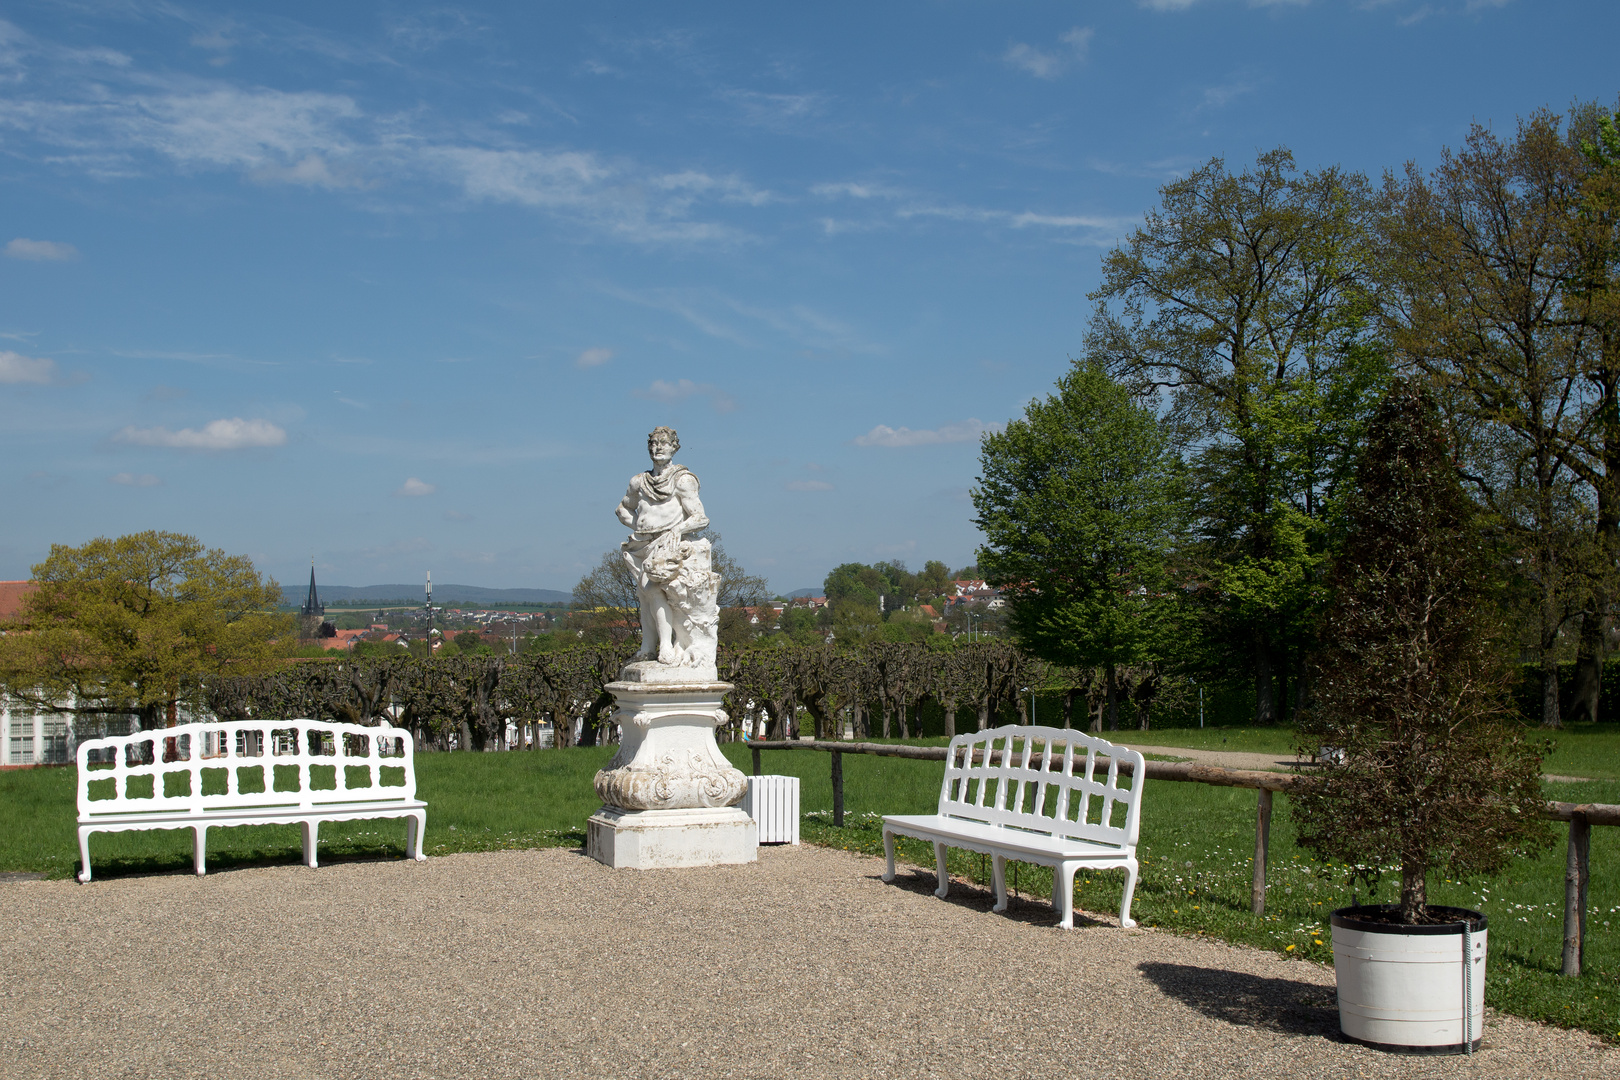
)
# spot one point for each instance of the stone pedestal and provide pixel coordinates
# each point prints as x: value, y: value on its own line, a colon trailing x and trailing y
x: 655, y: 839
x: 669, y: 795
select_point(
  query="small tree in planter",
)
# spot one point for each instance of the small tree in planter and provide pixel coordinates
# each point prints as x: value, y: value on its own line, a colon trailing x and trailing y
x: 1410, y: 689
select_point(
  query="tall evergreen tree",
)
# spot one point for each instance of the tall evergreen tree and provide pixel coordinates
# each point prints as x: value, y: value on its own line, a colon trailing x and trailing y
x: 1411, y: 684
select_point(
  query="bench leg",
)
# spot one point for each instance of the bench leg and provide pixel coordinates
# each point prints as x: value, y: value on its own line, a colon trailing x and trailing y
x: 1063, y: 894
x: 998, y: 877
x: 84, y: 855
x: 888, y: 853
x: 312, y: 832
x: 415, y: 826
x: 199, y: 849
x: 1125, y: 919
x: 939, y: 866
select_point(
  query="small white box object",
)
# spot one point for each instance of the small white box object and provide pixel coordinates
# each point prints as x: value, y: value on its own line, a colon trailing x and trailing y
x: 773, y: 803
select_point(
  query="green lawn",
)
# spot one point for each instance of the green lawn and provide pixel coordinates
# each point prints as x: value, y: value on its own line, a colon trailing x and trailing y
x: 1587, y: 750
x: 1197, y: 842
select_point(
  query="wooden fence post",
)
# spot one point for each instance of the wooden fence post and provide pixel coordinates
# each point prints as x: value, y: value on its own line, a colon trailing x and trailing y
x: 756, y: 761
x: 1577, y: 872
x: 838, y: 788
x: 1262, y: 850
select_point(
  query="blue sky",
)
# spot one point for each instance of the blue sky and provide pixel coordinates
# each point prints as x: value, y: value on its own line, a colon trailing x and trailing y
x: 404, y: 287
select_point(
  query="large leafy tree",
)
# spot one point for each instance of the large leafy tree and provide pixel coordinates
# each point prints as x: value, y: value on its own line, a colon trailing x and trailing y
x: 1412, y: 684
x: 1592, y: 299
x: 139, y: 625
x: 1480, y: 274
x: 1080, y: 502
x: 1244, y: 299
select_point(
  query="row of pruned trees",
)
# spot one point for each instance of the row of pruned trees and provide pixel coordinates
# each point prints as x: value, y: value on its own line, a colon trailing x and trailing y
x: 879, y: 689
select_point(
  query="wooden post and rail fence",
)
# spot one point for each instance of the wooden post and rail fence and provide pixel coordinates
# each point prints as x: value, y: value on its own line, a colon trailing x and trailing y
x: 1580, y: 816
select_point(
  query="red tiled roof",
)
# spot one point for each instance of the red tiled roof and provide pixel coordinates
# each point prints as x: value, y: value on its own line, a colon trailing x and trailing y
x: 12, y: 594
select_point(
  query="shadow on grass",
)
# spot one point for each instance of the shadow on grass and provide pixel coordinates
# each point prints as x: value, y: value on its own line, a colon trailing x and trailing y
x: 1031, y: 911
x: 1285, y: 1006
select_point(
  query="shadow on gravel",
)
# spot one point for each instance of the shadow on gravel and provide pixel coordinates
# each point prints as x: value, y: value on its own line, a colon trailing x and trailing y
x: 1020, y: 909
x: 1286, y: 1006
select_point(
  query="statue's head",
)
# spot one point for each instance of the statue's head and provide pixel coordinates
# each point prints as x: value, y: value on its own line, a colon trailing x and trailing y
x: 665, y: 435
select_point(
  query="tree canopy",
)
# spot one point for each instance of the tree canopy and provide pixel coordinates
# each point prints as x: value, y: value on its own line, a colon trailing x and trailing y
x: 1081, y: 502
x: 137, y: 624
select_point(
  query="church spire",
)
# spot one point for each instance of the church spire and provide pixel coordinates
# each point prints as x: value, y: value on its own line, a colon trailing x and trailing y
x: 313, y: 605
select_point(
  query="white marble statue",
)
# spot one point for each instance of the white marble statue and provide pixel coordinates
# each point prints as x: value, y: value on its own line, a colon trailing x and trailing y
x: 669, y: 796
x: 675, y: 579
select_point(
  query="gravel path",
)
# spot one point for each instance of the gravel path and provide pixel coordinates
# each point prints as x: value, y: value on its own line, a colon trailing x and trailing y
x: 545, y: 964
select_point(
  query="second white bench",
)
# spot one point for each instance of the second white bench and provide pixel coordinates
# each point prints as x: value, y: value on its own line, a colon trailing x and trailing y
x: 1049, y: 796
x: 292, y: 772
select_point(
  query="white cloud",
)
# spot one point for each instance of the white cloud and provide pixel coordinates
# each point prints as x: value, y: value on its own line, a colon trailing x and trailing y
x: 311, y: 171
x: 731, y: 189
x: 1049, y: 64
x: 413, y: 487
x: 135, y: 479
x: 773, y: 110
x: 808, y: 485
x: 232, y: 434
x: 856, y: 191
x: 41, y: 250
x: 968, y: 430
x: 799, y: 322
x: 119, y: 124
x: 581, y: 184
x: 17, y: 368
x: 1216, y: 97
x: 593, y: 357
x: 215, y: 40
x: 681, y: 389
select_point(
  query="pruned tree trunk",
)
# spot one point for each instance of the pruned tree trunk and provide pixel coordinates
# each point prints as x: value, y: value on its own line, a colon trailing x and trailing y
x: 1111, y: 684
x: 1588, y: 688
x: 1265, y: 702
x: 1550, y: 717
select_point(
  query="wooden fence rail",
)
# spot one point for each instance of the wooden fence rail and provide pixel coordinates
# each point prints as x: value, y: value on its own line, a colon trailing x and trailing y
x: 1580, y: 816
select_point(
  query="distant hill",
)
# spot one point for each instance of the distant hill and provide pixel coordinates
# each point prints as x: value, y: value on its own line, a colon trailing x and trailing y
x: 442, y: 594
x: 796, y: 593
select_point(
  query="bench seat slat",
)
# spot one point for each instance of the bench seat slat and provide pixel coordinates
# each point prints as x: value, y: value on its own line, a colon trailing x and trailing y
x: 1038, y: 845
x: 222, y: 815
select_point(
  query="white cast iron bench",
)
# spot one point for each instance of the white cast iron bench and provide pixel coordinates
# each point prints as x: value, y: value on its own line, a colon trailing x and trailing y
x: 206, y: 775
x: 1034, y: 794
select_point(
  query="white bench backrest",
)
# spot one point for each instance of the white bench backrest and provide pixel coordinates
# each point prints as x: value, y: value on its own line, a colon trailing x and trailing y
x: 113, y: 770
x: 1045, y: 780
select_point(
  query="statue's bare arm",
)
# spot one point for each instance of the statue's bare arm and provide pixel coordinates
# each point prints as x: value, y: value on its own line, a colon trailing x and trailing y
x: 626, y: 512
x: 686, y: 490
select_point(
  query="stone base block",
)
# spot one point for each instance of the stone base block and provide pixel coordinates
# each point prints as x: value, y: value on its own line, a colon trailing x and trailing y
x: 654, y: 839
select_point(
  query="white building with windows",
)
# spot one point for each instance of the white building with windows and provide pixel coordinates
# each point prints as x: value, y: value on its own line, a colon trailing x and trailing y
x: 32, y: 737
